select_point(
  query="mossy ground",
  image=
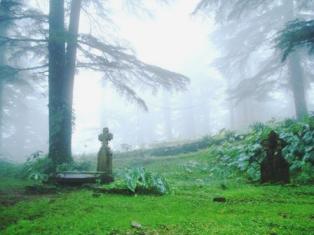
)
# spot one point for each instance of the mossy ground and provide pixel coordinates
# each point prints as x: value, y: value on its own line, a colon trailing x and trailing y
x: 188, y: 209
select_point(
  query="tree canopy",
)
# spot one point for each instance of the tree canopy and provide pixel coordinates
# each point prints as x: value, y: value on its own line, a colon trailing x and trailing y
x: 296, y: 34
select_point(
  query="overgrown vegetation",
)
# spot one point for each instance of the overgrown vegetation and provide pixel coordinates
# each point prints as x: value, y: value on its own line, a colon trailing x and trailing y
x: 196, y: 179
x: 232, y: 152
x: 236, y: 153
x: 138, y: 181
x: 189, y: 208
x: 38, y: 167
x: 244, y: 152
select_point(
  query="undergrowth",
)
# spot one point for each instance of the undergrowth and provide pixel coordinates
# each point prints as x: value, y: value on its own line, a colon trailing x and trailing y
x: 138, y: 181
x: 244, y: 152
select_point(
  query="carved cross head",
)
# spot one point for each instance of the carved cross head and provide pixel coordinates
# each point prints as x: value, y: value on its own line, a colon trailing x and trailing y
x: 105, y: 137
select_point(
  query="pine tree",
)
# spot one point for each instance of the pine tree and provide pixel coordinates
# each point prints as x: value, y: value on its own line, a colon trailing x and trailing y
x: 247, y: 29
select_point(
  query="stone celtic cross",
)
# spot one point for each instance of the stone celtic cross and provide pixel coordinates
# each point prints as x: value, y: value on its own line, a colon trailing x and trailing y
x: 104, y: 159
x: 105, y: 137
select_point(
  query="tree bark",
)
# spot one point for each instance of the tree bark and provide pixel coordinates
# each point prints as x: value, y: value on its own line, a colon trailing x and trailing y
x: 4, y: 26
x: 296, y: 79
x: 62, y: 61
x: 296, y: 74
x: 59, y: 147
x: 70, y: 64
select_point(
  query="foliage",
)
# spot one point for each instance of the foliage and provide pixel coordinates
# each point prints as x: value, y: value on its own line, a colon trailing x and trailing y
x: 245, y: 152
x: 297, y: 33
x: 140, y: 181
x: 250, y: 25
x: 189, y: 209
x: 37, y: 167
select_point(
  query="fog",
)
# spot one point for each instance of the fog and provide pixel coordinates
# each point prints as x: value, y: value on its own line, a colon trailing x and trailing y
x: 170, y: 36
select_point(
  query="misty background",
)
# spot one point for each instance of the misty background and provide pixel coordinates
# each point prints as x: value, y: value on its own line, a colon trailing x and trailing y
x: 169, y: 36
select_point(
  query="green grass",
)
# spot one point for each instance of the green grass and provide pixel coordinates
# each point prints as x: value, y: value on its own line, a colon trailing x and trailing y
x: 188, y: 209
x: 8, y: 183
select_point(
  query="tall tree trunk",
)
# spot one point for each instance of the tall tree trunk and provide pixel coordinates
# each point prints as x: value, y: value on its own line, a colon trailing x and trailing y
x: 296, y: 74
x: 59, y: 147
x: 70, y: 62
x: 5, y: 6
x: 1, y: 112
x: 296, y: 79
x: 61, y: 79
x: 21, y: 126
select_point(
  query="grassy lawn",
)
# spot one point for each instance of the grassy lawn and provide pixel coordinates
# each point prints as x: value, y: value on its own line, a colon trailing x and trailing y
x: 188, y: 209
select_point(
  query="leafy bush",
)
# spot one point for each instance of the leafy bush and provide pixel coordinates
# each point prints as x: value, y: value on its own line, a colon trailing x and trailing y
x: 244, y: 153
x: 37, y: 167
x: 139, y: 181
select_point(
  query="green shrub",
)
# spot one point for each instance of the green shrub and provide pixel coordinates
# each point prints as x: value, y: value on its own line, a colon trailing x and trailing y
x: 37, y: 167
x: 139, y: 181
x: 245, y: 152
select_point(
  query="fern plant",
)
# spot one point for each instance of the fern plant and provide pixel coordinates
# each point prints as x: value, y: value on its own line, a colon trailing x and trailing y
x: 138, y: 181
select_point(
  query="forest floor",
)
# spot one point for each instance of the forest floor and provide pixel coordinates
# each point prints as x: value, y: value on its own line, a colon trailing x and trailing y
x: 188, y: 209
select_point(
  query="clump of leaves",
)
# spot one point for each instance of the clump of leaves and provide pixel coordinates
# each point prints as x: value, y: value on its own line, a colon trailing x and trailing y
x: 299, y: 151
x: 37, y: 167
x: 139, y: 181
x: 297, y: 33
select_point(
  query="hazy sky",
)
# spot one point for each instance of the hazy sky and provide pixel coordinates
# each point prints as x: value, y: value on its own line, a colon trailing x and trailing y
x: 172, y: 38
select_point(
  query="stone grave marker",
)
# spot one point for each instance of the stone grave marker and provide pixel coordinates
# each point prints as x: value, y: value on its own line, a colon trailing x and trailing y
x: 104, y: 158
x: 274, y: 168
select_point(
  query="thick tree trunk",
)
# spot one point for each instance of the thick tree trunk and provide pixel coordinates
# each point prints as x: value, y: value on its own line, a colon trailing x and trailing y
x: 4, y: 26
x: 296, y: 74
x: 61, y: 79
x: 59, y: 146
x: 70, y: 62
x: 296, y: 79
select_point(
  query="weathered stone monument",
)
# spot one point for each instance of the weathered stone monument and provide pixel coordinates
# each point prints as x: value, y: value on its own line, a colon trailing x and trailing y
x: 104, y: 167
x: 274, y: 168
x: 104, y: 158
